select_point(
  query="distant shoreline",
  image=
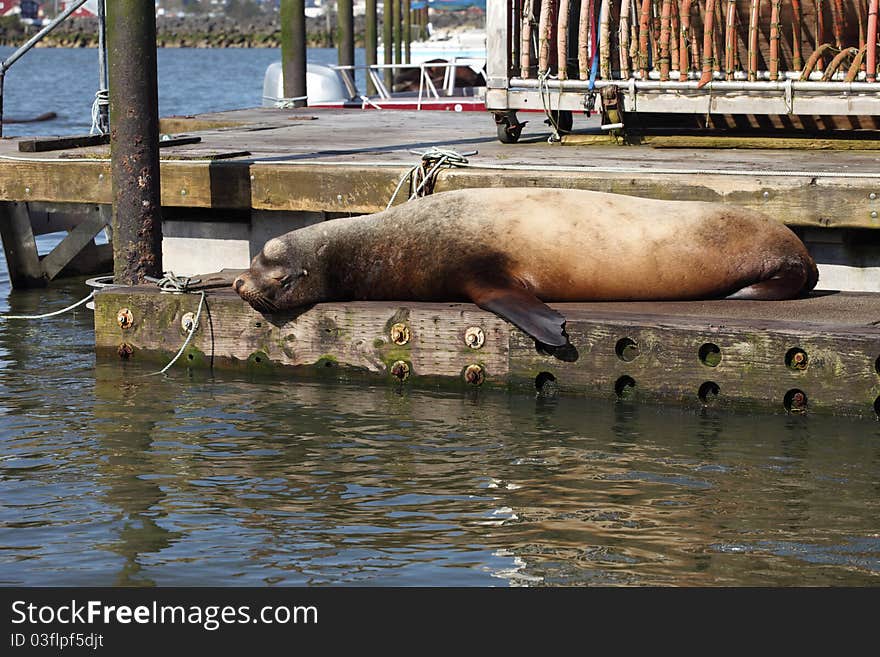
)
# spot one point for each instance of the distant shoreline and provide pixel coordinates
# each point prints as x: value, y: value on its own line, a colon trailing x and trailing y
x: 204, y: 32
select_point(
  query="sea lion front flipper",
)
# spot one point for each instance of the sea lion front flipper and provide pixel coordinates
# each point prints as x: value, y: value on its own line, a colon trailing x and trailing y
x: 516, y: 304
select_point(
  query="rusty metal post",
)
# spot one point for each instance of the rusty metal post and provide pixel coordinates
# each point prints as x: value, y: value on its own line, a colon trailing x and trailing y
x: 293, y: 50
x: 134, y: 141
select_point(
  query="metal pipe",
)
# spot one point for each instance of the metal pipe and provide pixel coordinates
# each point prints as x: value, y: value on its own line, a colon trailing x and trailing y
x: 837, y: 19
x: 30, y: 43
x: 293, y: 49
x: 838, y: 60
x: 644, y: 26
x: 562, y: 38
x: 525, y: 48
x: 754, y: 10
x: 674, y: 29
x: 584, y: 20
x: 796, y: 20
x: 717, y: 86
x: 708, y: 29
x: 774, y: 39
x: 545, y: 29
x: 871, y: 61
x: 102, y: 99
x: 730, y: 40
x: 815, y: 60
x: 134, y: 141
x: 856, y: 65
x: 665, y: 30
x: 605, y: 39
x: 683, y: 37
x: 623, y: 38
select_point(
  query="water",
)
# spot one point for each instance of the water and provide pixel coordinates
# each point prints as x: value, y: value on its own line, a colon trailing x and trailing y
x: 191, y: 80
x: 110, y: 477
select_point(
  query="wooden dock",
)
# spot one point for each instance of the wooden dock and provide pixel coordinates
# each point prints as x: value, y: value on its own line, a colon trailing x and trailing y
x: 253, y: 174
x: 820, y: 354
x: 260, y: 172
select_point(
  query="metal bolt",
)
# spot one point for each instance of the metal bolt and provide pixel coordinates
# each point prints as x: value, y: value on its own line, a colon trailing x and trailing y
x: 27, y: 190
x: 183, y: 192
x: 475, y: 375
x: 766, y: 195
x: 124, y: 318
x: 872, y: 196
x: 400, y: 334
x: 474, y: 337
x: 187, y: 322
x: 798, y: 402
x: 400, y: 370
x: 799, y: 360
x: 100, y: 176
x: 125, y: 350
x: 873, y: 214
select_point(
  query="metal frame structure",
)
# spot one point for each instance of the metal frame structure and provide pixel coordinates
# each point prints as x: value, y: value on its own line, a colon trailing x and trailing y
x: 718, y: 91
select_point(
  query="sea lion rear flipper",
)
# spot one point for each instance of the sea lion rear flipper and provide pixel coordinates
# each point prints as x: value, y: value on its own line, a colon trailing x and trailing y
x: 516, y: 304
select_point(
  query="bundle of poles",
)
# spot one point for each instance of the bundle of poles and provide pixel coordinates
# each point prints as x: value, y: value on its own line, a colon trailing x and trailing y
x: 703, y: 40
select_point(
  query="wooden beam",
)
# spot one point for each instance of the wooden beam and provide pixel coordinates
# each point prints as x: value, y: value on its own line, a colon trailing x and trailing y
x: 725, y: 354
x: 75, y: 241
x: 19, y: 246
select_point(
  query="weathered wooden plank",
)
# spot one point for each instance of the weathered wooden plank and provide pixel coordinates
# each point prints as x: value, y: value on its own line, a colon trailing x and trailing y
x: 44, y: 144
x: 730, y: 355
x: 75, y: 241
x: 19, y: 246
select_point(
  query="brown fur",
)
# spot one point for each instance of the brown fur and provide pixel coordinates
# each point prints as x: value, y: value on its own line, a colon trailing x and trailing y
x: 509, y: 250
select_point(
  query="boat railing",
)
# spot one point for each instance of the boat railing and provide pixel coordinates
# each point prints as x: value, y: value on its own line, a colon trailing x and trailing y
x: 100, y: 111
x: 427, y: 88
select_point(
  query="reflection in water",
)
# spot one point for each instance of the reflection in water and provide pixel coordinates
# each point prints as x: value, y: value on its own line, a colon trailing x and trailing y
x: 111, y: 477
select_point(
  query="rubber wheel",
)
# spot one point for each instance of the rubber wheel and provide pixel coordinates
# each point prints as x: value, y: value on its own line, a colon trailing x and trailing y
x: 564, y: 120
x: 508, y: 134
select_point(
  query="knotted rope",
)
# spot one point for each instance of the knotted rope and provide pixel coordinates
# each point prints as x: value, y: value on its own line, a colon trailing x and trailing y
x: 423, y: 176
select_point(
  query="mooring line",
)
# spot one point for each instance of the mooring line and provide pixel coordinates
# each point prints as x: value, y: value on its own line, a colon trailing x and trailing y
x: 192, y: 330
x: 52, y: 314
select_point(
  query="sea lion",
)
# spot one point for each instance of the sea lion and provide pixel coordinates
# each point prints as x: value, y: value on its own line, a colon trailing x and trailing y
x: 510, y: 250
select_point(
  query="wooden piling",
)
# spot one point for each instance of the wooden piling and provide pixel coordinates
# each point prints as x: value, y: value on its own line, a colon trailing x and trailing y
x: 134, y: 141
x: 407, y: 30
x: 388, y: 39
x: 345, y: 28
x: 398, y: 31
x: 293, y: 49
x: 370, y: 41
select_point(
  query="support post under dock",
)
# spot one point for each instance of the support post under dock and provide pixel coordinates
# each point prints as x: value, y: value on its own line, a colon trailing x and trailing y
x: 134, y: 140
x: 388, y: 39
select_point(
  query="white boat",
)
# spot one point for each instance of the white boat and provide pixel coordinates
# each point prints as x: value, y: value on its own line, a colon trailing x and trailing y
x: 447, y: 72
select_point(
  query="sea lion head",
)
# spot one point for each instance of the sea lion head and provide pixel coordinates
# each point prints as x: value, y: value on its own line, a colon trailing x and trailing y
x: 279, y: 277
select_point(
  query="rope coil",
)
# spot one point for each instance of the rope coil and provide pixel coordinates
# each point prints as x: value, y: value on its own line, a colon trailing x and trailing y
x: 423, y: 175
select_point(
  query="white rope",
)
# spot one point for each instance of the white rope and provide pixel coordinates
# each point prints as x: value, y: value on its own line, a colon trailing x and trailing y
x: 53, y: 314
x: 420, y: 176
x: 192, y: 330
x: 102, y: 98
